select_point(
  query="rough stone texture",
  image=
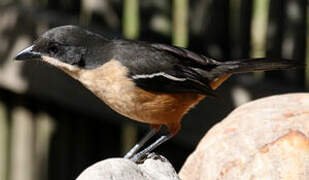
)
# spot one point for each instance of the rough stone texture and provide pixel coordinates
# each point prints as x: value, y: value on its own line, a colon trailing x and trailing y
x: 263, y: 139
x: 153, y: 168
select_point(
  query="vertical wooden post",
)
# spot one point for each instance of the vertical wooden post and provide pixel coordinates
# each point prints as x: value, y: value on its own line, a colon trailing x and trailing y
x: 180, y: 23
x: 4, y: 138
x: 85, y: 15
x: 259, y: 30
x: 130, y: 31
x: 44, y: 128
x: 131, y: 19
x: 22, y: 160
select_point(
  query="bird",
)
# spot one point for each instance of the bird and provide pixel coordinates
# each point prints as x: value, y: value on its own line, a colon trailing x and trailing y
x: 148, y: 82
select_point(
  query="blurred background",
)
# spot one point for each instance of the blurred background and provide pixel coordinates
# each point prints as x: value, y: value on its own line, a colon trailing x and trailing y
x: 52, y: 128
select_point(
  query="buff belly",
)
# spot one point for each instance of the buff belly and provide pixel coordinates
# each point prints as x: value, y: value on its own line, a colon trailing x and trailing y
x: 111, y: 84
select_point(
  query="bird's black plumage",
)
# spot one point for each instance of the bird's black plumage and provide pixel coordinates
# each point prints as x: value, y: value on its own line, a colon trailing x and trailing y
x: 163, y: 68
x: 153, y: 67
x: 74, y: 46
x: 170, y: 69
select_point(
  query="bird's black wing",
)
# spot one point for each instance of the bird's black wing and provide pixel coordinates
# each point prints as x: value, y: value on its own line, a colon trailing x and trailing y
x: 188, y: 57
x: 168, y: 69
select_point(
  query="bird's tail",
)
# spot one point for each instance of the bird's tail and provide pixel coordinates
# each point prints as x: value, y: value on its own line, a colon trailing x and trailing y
x: 258, y: 64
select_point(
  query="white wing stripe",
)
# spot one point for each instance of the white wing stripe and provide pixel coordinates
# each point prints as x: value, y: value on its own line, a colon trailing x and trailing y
x: 144, y: 76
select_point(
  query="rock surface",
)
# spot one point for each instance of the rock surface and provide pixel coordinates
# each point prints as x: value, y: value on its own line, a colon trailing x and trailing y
x: 155, y: 167
x: 263, y: 139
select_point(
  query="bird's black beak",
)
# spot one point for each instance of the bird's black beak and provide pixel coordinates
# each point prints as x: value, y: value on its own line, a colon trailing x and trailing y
x: 28, y: 54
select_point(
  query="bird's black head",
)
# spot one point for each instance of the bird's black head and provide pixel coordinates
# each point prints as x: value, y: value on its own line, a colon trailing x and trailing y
x: 65, y: 46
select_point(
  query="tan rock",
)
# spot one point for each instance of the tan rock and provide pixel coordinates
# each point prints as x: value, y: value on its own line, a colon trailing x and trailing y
x: 263, y: 139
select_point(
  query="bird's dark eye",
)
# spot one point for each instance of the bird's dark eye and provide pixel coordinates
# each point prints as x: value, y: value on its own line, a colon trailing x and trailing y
x: 53, y: 49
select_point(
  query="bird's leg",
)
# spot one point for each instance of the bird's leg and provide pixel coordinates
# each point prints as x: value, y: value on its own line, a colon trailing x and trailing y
x: 135, y: 148
x: 151, y: 147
